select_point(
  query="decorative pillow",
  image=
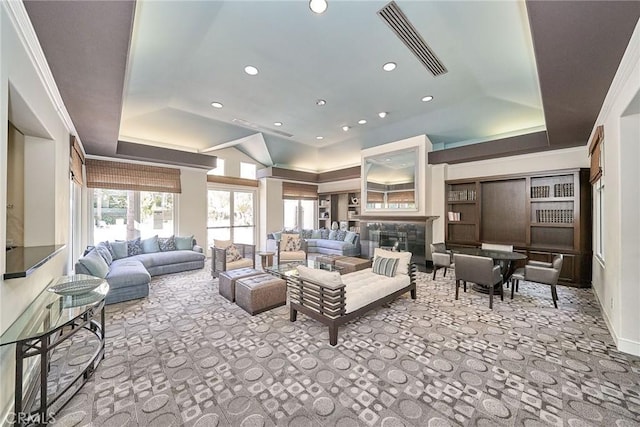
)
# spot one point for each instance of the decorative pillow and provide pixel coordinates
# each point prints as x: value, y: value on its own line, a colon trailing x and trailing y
x: 221, y: 244
x: 385, y: 266
x: 184, y: 243
x: 150, y: 245
x: 316, y: 234
x: 329, y: 279
x: 167, y: 244
x: 290, y: 242
x: 119, y: 249
x: 104, y: 252
x: 134, y: 247
x: 333, y: 235
x: 403, y: 257
x: 233, y: 254
x: 341, y: 234
x: 306, y: 234
x: 277, y: 235
x: 351, y: 237
x: 325, y: 233
x: 108, y: 245
x: 96, y: 265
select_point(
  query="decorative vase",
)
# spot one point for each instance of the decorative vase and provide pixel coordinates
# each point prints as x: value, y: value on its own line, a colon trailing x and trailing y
x: 354, y: 200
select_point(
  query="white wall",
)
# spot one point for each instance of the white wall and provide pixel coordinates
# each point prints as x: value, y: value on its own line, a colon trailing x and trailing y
x: 192, y: 205
x: 15, y: 187
x: 615, y: 281
x: 232, y: 158
x: 271, y: 209
x: 18, y: 68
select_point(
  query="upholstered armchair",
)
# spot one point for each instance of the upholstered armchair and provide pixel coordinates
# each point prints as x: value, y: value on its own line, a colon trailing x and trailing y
x: 291, y: 247
x: 479, y: 270
x: 441, y: 257
x: 546, y: 273
x: 230, y: 256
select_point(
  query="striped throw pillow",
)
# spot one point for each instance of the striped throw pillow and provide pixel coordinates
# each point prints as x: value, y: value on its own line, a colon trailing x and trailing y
x: 385, y: 266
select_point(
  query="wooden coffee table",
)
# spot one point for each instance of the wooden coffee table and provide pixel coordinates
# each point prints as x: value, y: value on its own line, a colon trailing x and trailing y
x: 266, y: 259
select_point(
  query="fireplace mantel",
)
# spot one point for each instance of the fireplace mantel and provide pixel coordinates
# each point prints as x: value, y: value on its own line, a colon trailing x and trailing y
x: 401, y: 218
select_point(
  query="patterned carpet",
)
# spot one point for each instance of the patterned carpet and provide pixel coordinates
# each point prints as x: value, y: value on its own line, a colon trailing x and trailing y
x: 186, y: 356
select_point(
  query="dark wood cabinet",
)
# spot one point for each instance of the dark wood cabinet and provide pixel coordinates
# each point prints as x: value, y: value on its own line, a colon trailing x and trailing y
x: 541, y: 214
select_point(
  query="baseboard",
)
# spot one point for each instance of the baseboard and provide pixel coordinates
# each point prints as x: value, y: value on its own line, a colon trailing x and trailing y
x: 628, y: 346
x: 605, y: 316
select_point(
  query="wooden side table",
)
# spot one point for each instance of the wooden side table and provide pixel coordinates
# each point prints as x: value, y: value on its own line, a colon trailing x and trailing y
x: 266, y: 258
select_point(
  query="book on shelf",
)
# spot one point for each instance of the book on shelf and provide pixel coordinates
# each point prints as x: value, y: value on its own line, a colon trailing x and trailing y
x: 453, y: 216
x: 554, y: 216
x: 461, y: 195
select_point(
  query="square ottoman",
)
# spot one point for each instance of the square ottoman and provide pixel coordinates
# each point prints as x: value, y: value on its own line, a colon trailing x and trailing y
x: 227, y: 281
x: 328, y: 259
x: 350, y: 264
x: 260, y: 293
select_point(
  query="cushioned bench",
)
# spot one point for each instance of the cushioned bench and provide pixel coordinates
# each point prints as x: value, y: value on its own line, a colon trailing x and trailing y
x: 260, y: 293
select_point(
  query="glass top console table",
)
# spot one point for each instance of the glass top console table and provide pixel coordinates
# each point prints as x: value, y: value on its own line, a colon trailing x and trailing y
x: 69, y: 305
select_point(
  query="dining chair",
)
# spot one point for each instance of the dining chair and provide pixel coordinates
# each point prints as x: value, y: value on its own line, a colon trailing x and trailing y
x: 479, y: 270
x: 546, y: 273
x: 441, y: 257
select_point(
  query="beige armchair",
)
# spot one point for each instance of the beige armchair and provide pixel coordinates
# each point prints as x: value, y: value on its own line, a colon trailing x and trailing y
x: 441, y: 257
x: 546, y: 273
x: 479, y: 270
x: 224, y: 257
x: 291, y: 247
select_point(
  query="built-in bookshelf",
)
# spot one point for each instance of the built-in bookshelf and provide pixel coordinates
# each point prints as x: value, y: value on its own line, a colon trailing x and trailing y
x: 342, y: 207
x: 540, y: 214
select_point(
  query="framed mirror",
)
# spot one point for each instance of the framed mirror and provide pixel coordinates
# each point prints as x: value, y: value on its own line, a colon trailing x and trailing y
x: 390, y: 181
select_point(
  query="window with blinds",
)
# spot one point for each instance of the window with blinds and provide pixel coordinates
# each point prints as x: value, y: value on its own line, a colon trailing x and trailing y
x: 595, y: 151
x: 76, y: 160
x: 296, y: 191
x: 129, y: 176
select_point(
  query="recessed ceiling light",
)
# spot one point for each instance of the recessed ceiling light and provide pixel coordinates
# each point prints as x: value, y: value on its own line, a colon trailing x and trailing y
x: 321, y: 102
x: 387, y: 160
x: 427, y: 98
x: 363, y: 121
x: 382, y: 114
x: 345, y: 128
x: 319, y: 137
x: 277, y: 123
x: 318, y: 6
x: 251, y: 70
x: 389, y: 66
x: 216, y: 105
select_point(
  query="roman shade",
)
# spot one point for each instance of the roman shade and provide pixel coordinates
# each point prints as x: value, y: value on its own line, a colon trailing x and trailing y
x: 375, y: 197
x: 130, y: 176
x: 296, y: 191
x: 595, y: 149
x: 76, y: 160
x: 401, y: 197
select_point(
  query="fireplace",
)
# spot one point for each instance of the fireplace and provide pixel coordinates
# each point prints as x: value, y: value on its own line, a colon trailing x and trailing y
x: 412, y: 234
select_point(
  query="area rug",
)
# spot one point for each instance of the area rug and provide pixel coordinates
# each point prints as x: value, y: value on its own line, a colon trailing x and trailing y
x: 187, y: 356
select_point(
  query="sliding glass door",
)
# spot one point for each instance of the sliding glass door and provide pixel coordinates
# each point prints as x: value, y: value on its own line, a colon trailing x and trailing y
x: 231, y: 215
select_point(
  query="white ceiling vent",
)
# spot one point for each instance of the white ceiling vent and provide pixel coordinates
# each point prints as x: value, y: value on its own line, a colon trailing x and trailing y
x: 251, y: 125
x: 398, y: 22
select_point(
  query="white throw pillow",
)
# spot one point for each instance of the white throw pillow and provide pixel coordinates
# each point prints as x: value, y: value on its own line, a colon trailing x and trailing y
x: 330, y: 279
x: 404, y: 258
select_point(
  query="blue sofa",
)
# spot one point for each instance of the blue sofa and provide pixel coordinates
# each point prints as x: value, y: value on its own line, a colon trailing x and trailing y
x: 322, y: 245
x: 129, y: 276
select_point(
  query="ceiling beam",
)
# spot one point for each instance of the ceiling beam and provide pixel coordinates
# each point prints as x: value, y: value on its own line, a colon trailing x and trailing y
x: 150, y: 153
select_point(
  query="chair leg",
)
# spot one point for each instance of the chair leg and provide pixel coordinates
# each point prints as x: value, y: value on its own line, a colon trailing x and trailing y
x: 434, y: 272
x: 445, y: 272
x: 465, y: 285
x: 513, y: 287
x: 491, y: 297
x: 457, y: 287
x: 501, y: 292
x: 554, y: 295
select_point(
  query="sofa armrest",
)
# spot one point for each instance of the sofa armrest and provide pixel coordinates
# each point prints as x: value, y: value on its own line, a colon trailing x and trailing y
x: 540, y: 264
x: 198, y: 248
x: 218, y: 260
x: 328, y: 301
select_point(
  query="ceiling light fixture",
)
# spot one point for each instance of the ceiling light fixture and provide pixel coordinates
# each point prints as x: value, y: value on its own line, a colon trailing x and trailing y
x: 319, y: 137
x: 216, y: 105
x: 382, y: 114
x: 389, y: 66
x: 321, y: 102
x: 363, y: 121
x: 251, y: 70
x: 318, y: 6
x: 345, y: 128
x: 277, y: 123
x: 427, y: 98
